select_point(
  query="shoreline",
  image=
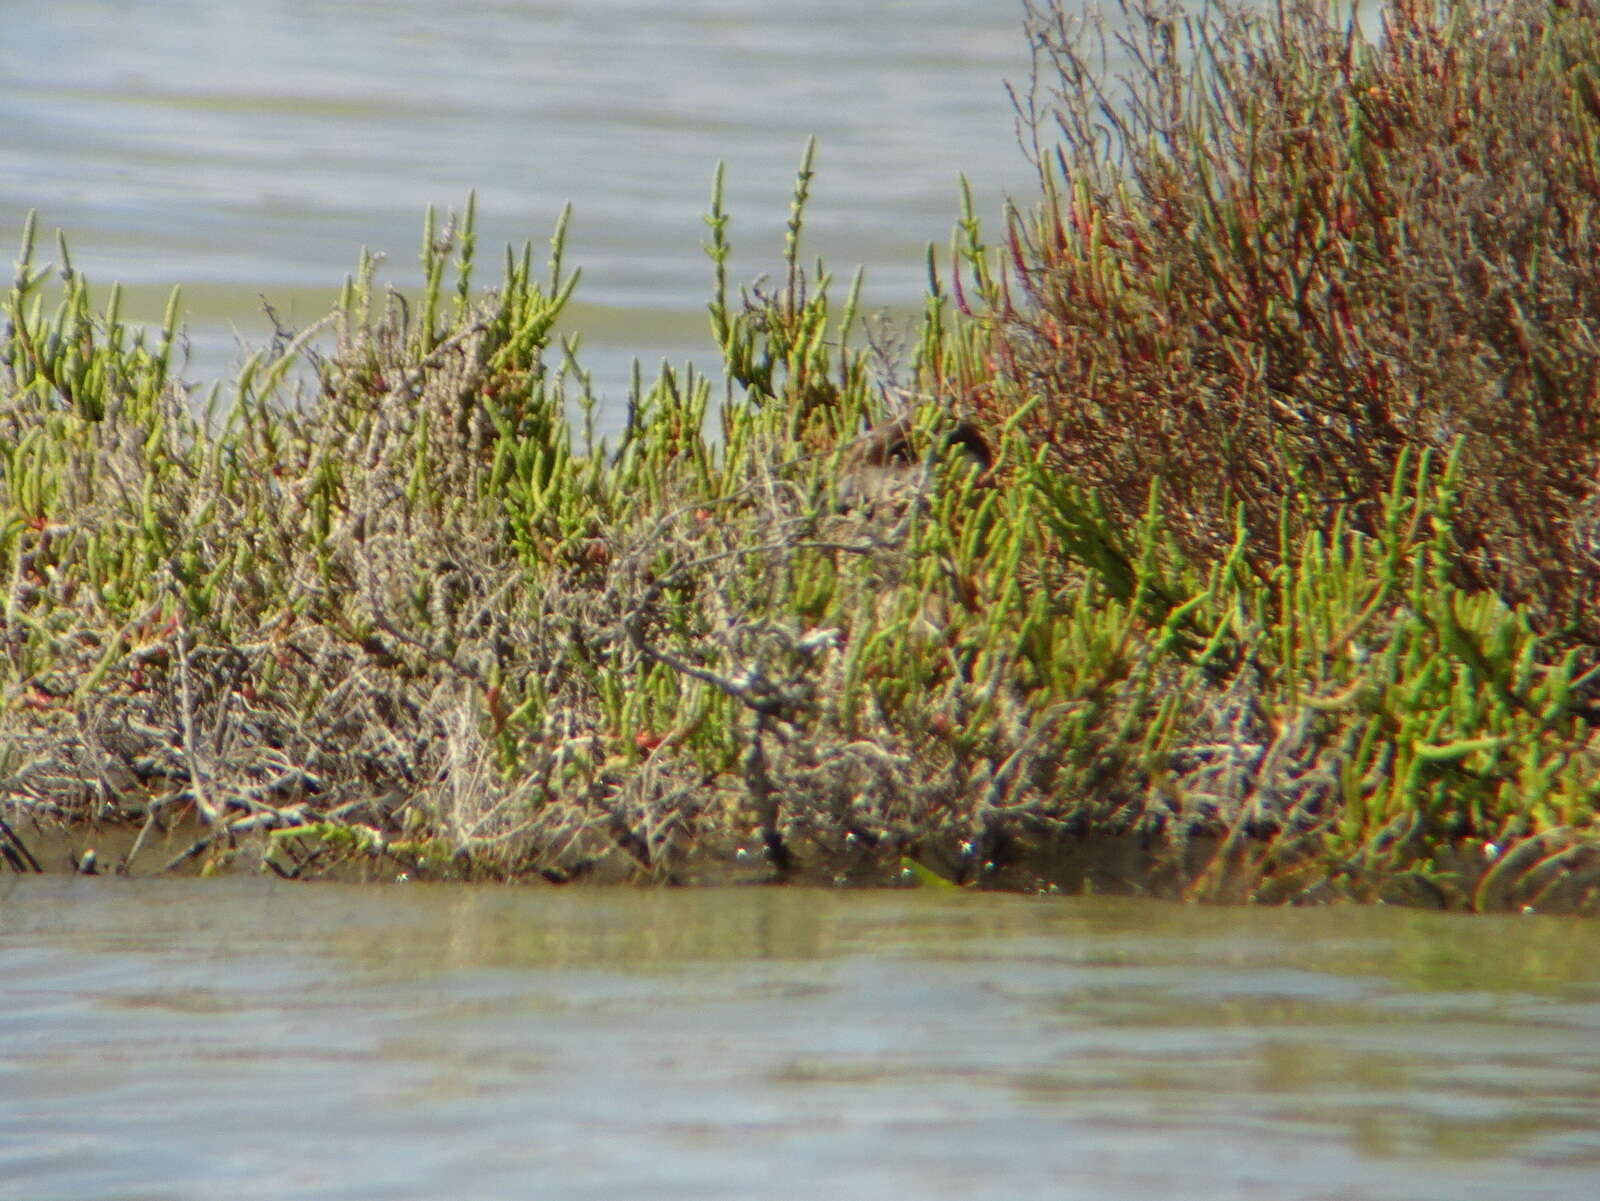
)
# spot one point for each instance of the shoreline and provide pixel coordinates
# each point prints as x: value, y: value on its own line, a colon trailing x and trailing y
x: 1468, y: 878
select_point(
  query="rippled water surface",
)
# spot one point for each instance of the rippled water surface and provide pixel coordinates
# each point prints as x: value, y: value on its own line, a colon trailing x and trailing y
x: 242, y: 1038
x: 248, y: 148
x: 238, y: 1038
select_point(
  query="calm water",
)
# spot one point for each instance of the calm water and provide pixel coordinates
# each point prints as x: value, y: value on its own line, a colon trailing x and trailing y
x: 241, y: 1038
x: 247, y: 148
x: 179, y: 1039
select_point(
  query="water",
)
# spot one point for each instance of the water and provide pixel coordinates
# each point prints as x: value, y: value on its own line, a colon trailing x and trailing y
x: 240, y: 1038
x: 249, y: 150
x: 243, y: 1038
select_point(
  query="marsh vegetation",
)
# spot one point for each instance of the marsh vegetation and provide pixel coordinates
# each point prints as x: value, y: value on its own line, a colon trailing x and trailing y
x: 1226, y: 528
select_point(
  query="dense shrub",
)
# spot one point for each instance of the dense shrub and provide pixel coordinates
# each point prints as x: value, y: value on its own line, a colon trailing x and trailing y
x: 1281, y: 248
x: 1210, y: 542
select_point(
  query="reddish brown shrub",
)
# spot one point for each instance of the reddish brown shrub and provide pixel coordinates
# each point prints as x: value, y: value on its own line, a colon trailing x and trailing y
x: 1276, y: 251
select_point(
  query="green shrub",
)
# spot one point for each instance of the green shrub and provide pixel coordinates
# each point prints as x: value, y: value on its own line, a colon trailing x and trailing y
x: 1211, y: 542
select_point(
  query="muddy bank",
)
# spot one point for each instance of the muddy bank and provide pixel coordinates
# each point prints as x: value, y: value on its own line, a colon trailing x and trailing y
x: 1553, y: 875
